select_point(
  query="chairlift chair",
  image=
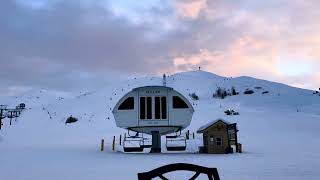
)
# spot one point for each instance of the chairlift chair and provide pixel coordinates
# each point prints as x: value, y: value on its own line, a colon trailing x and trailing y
x: 146, y: 143
x: 176, y: 143
x: 22, y: 106
x: 127, y: 144
x: 134, y: 143
x: 9, y: 115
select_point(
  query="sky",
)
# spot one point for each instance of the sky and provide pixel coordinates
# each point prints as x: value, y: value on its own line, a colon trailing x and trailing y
x: 85, y: 44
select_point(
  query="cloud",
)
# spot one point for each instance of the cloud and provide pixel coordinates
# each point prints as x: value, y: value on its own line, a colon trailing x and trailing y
x: 45, y: 45
x: 62, y: 44
x: 189, y: 8
x: 253, y: 37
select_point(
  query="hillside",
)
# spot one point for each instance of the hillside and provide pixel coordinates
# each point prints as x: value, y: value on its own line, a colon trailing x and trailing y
x: 279, y: 131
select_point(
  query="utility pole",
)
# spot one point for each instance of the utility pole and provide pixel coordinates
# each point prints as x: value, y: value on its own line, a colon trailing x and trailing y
x: 2, y: 109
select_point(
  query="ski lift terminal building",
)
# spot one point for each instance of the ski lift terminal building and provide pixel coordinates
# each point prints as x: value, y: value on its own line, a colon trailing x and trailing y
x: 154, y: 110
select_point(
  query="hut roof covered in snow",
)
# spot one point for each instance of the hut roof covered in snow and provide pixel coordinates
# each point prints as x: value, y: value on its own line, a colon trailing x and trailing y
x: 206, y: 126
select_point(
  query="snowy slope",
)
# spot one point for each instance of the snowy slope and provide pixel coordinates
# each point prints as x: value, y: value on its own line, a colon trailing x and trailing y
x: 279, y: 131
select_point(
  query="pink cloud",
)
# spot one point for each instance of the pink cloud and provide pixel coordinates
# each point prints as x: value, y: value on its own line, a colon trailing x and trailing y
x: 253, y: 57
x: 189, y: 9
x: 270, y: 41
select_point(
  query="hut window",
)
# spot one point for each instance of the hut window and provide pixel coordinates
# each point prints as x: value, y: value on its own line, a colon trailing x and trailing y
x: 218, y: 141
x: 142, y: 108
x: 178, y: 103
x: 127, y: 104
x: 211, y: 140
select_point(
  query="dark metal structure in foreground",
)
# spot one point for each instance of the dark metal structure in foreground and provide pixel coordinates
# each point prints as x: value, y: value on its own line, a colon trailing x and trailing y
x: 212, y: 173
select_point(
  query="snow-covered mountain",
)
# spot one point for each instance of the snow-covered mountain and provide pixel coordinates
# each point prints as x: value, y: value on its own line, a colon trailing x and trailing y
x: 279, y: 130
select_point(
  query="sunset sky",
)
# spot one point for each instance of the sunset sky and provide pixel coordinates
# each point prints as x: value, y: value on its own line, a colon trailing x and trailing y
x: 77, y: 44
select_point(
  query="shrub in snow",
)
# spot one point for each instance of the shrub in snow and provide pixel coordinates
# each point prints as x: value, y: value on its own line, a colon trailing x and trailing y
x: 258, y: 87
x: 230, y: 112
x: 265, y: 92
x: 220, y: 93
x: 233, y: 91
x: 194, y: 96
x: 71, y: 120
x: 248, y: 91
x: 224, y: 94
x: 236, y: 113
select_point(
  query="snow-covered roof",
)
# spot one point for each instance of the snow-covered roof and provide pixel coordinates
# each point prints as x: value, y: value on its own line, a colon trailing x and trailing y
x: 204, y: 127
x: 155, y: 86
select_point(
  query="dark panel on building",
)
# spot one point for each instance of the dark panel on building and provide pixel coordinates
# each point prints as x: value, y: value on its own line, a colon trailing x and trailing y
x: 142, y: 108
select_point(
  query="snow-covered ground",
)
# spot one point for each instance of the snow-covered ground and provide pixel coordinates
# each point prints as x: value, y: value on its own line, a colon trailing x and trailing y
x: 279, y: 132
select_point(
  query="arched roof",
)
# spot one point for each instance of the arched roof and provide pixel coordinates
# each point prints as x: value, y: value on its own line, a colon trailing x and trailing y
x: 160, y: 87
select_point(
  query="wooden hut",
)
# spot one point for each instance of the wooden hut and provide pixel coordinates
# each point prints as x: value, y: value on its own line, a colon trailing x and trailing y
x: 219, y: 137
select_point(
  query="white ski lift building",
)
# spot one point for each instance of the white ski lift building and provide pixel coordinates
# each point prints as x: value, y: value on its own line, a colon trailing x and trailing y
x: 154, y: 110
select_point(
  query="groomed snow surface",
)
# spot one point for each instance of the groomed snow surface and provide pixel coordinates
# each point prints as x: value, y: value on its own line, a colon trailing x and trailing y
x: 279, y: 131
